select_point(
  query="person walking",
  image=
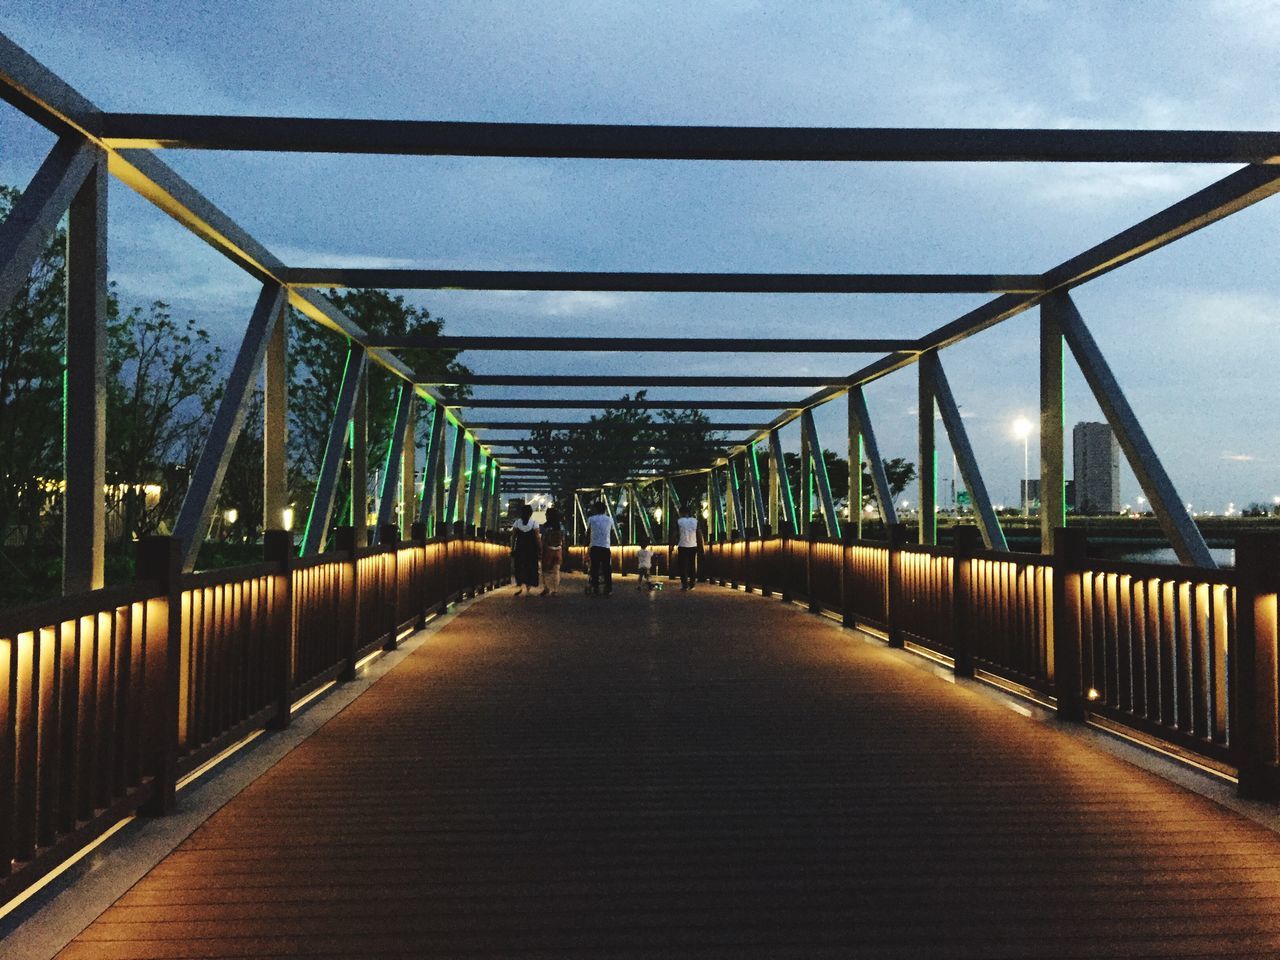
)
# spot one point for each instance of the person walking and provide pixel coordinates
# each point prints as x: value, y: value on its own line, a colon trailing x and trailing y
x: 689, y: 539
x: 552, y: 552
x: 600, y: 527
x: 525, y: 551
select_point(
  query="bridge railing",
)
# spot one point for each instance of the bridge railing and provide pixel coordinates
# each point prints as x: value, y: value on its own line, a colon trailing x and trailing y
x: 109, y: 698
x: 1180, y: 656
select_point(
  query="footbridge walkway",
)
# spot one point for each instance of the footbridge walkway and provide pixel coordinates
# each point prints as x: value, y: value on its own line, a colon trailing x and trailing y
x: 703, y: 774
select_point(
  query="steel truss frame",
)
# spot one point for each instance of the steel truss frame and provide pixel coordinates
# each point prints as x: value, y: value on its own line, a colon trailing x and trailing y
x: 92, y: 142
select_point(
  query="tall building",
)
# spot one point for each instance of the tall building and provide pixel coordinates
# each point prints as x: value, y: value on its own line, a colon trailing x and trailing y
x: 1096, y: 456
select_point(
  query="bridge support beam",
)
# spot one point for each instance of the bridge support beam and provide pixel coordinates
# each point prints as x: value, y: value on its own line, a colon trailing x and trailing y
x: 927, y: 520
x: 988, y: 522
x: 275, y: 425
x: 855, y: 466
x: 1053, y: 499
x: 359, y: 498
x: 434, y: 464
x: 875, y: 463
x: 321, y: 513
x: 409, y: 474
x: 822, y: 481
x: 84, y: 440
x: 398, y: 447
x: 805, y: 513
x: 1169, y: 508
x: 202, y: 493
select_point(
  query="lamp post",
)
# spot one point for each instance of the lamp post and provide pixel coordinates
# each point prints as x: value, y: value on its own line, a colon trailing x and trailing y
x: 1022, y: 430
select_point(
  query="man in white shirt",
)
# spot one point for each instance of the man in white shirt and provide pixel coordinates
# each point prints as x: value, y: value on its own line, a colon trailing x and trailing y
x: 600, y: 527
x: 687, y: 546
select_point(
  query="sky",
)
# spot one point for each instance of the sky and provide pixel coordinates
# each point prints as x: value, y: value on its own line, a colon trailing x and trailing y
x: 1191, y: 331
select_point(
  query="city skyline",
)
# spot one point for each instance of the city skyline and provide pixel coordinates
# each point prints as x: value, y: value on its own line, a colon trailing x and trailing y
x: 1186, y: 329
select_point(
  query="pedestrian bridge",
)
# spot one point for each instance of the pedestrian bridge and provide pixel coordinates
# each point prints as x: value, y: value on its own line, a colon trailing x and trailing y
x: 716, y: 773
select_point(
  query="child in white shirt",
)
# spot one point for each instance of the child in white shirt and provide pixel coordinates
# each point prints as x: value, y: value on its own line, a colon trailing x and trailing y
x: 644, y: 563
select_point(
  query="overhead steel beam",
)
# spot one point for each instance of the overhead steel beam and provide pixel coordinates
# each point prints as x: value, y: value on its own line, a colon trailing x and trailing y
x: 1184, y: 536
x: 988, y: 522
x: 517, y: 443
x: 220, y: 440
x: 531, y: 403
x: 586, y: 425
x: 317, y: 529
x: 33, y: 220
x: 636, y: 282
x: 642, y: 344
x: 875, y: 463
x: 630, y: 380
x: 669, y: 142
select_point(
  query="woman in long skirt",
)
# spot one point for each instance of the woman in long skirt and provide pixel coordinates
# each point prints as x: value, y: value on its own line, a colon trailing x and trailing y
x: 526, y: 550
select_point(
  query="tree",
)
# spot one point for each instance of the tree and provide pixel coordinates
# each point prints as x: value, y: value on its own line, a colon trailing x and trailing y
x: 163, y: 383
x: 31, y: 338
x: 899, y: 472
x: 317, y: 357
x: 622, y: 442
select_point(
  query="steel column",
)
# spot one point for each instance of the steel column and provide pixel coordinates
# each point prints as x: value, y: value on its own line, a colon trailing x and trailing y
x: 805, y: 514
x: 781, y: 502
x: 275, y: 425
x: 317, y: 529
x: 1053, y: 500
x: 457, y: 479
x: 1184, y: 536
x: 474, y: 480
x: 393, y: 464
x: 84, y: 438
x: 359, y: 499
x: 988, y: 522
x: 855, y: 467
x: 927, y: 521
x: 409, y: 473
x: 202, y: 493
x: 753, y: 463
x: 875, y: 463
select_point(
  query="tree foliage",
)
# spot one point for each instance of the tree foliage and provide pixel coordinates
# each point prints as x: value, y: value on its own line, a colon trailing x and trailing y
x: 623, y: 442
x: 899, y: 472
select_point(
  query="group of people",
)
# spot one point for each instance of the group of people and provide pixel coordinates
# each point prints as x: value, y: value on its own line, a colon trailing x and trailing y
x: 542, y: 547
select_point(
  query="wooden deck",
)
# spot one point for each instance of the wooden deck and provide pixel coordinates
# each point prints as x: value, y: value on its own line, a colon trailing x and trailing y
x: 696, y: 775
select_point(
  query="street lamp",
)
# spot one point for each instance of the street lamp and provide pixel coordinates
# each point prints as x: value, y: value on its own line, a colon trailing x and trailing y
x: 1022, y: 430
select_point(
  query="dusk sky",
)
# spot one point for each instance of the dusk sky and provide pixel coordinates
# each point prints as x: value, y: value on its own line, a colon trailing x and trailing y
x: 1192, y: 331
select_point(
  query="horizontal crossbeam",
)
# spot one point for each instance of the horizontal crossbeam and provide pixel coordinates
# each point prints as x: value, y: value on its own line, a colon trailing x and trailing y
x: 641, y: 344
x: 633, y: 282
x: 516, y: 403
x: 586, y: 425
x: 515, y: 443
x: 618, y: 141
x: 630, y: 380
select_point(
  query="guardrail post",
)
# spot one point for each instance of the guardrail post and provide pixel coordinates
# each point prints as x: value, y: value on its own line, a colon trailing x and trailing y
x: 389, y: 536
x: 847, y: 537
x: 1070, y: 551
x: 444, y: 568
x: 344, y: 540
x: 810, y: 547
x: 893, y: 583
x: 160, y: 559
x: 419, y: 533
x: 784, y: 555
x: 1256, y: 701
x: 277, y: 547
x: 964, y: 543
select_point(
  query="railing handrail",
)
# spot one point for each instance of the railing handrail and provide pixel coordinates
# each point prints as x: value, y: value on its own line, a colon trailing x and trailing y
x: 227, y: 575
x: 45, y: 613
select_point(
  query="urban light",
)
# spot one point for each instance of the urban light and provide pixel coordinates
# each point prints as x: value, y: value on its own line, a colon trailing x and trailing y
x: 1022, y: 430
x: 287, y: 517
x: 232, y: 515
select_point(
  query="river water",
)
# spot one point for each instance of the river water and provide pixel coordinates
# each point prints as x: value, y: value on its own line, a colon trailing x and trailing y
x: 1222, y: 556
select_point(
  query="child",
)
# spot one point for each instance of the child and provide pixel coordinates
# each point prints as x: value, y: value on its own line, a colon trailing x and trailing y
x: 644, y: 563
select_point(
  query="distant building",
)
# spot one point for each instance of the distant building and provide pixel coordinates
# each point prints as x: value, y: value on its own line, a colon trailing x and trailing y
x: 1096, y: 456
x: 1029, y: 494
x: 1070, y: 494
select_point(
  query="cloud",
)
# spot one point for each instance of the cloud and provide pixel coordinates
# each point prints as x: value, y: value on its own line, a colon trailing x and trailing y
x: 1239, y: 457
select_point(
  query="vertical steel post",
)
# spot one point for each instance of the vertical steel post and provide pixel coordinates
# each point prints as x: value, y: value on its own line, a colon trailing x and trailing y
x: 1053, y: 501
x: 1070, y: 550
x: 473, y: 488
x: 360, y: 463
x: 805, y: 513
x: 821, y: 480
x: 457, y: 480
x: 277, y: 547
x: 964, y: 546
x: 321, y: 512
x: 275, y: 424
x: 757, y: 492
x: 855, y: 466
x: 84, y: 413
x: 928, y: 459
x: 1255, y: 660
x: 430, y: 504
x: 409, y: 474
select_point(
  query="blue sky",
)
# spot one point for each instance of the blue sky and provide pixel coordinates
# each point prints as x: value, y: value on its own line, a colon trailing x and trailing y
x: 1191, y: 330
